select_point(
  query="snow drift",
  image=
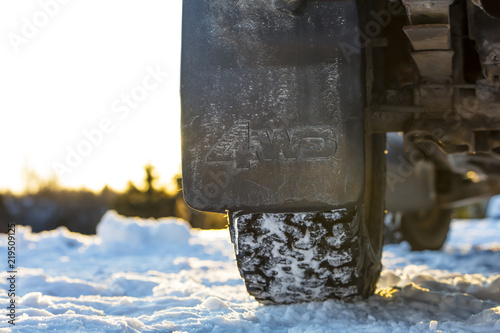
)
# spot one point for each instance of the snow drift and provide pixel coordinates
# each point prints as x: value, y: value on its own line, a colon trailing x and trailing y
x: 161, y: 276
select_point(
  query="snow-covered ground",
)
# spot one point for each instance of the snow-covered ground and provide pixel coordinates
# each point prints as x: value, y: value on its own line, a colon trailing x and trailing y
x: 145, y: 276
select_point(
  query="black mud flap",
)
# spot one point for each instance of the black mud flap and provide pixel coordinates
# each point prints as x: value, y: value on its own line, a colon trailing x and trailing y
x: 272, y: 105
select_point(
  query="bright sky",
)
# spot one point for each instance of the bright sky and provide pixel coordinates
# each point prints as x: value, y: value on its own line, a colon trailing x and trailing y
x: 89, y: 90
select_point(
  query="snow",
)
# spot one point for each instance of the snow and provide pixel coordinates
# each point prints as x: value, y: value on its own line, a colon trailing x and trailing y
x: 493, y: 209
x: 161, y: 276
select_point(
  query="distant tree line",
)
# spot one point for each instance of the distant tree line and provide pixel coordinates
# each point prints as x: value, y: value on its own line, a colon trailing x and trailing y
x: 81, y: 210
x: 157, y: 202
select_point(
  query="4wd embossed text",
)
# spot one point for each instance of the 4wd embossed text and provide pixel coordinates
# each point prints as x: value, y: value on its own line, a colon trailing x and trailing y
x: 243, y: 146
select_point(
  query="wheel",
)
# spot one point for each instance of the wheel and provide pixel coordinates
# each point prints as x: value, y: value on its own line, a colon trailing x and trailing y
x: 312, y: 256
x: 426, y: 230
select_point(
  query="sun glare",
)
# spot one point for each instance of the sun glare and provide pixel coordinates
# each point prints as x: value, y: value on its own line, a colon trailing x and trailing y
x: 90, y: 91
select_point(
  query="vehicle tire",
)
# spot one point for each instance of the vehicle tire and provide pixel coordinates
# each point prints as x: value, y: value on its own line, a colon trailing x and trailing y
x: 426, y: 230
x: 313, y: 256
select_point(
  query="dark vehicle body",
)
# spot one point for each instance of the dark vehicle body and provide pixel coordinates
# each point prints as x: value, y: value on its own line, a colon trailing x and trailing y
x: 321, y: 115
